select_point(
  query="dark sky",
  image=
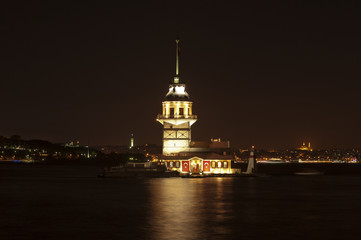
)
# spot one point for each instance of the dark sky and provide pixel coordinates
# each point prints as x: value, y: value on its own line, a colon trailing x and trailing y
x: 261, y: 73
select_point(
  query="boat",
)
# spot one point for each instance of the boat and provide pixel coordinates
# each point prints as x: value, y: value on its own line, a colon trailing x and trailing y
x: 138, y: 169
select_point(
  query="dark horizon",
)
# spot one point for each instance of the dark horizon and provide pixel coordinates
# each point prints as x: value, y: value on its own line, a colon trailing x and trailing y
x: 272, y: 75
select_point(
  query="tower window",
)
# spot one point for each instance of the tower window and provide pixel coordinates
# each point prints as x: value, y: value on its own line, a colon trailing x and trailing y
x: 181, y: 111
x: 171, y: 112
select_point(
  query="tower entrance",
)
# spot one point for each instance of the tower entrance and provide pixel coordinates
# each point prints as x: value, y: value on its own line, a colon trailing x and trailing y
x: 196, y: 166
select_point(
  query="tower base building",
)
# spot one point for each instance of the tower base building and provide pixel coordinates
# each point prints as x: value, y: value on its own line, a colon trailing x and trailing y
x: 204, y: 157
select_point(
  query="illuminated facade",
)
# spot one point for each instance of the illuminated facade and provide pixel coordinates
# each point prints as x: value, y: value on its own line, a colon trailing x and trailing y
x: 179, y: 152
x: 208, y: 163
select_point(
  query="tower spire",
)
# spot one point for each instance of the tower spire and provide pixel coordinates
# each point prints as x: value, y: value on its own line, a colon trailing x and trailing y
x: 176, y: 78
x: 177, y: 57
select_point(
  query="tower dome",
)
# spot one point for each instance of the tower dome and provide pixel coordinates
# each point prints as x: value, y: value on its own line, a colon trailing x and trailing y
x: 177, y: 92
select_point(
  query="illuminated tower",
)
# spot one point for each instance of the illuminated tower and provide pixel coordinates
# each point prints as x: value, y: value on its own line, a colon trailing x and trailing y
x: 252, y: 167
x: 131, y: 141
x: 177, y: 117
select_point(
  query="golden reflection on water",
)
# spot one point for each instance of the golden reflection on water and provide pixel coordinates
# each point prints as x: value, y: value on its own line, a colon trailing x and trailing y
x: 219, y: 206
x: 187, y: 208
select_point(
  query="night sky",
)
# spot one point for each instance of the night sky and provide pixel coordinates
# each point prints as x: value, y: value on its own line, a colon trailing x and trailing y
x: 262, y: 73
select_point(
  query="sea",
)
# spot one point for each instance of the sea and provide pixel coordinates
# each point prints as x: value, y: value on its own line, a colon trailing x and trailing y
x: 71, y: 202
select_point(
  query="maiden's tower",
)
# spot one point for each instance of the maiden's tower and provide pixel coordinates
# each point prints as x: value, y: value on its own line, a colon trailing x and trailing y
x: 180, y: 153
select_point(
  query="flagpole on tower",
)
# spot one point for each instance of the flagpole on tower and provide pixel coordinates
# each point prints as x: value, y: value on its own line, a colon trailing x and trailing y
x: 177, y: 58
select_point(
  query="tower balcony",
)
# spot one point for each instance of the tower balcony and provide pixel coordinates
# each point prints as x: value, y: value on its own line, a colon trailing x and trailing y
x: 176, y: 119
x: 161, y: 116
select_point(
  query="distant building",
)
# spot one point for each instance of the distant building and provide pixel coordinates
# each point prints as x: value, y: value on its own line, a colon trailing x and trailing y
x: 74, y: 144
x: 147, y: 149
x: 304, y: 147
x: 179, y: 152
x: 107, y: 149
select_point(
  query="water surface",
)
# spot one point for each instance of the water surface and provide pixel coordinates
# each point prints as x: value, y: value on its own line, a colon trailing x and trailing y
x: 69, y: 202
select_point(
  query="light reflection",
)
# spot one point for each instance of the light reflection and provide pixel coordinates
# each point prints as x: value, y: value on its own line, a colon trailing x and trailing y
x: 185, y: 209
x: 220, y: 208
